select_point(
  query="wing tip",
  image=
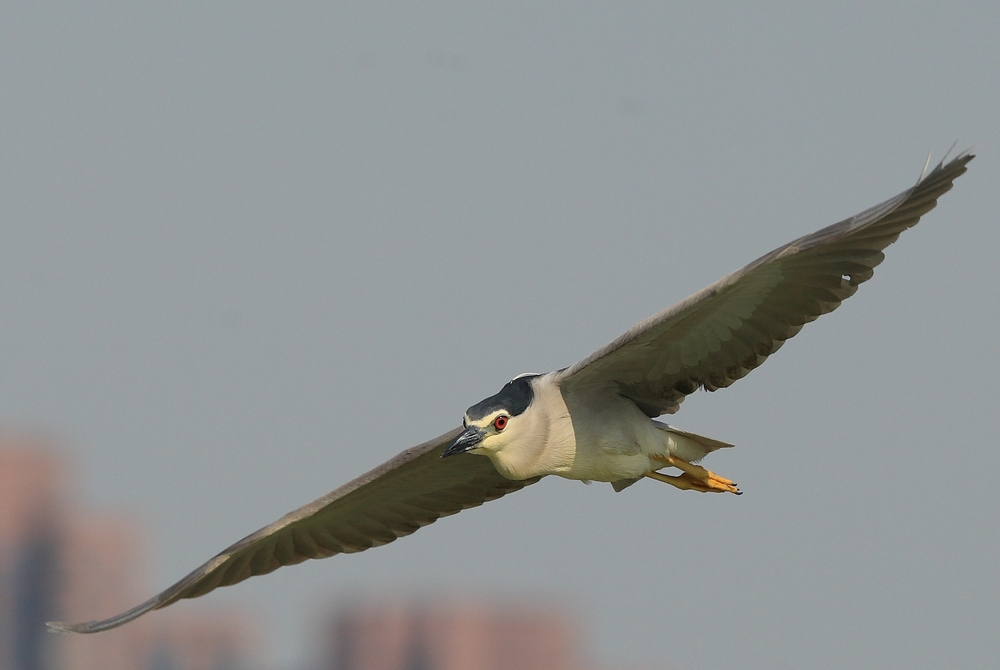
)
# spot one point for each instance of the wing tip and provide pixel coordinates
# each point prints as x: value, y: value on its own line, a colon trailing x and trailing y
x: 961, y: 158
x: 107, y: 624
x: 66, y: 627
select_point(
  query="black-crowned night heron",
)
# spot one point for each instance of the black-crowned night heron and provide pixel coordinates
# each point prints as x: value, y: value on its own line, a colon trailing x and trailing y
x: 592, y: 421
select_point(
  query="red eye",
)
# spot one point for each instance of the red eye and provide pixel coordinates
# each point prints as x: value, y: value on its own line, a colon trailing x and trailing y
x: 500, y: 422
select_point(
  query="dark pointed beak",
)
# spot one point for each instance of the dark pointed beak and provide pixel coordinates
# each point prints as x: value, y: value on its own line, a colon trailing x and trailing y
x: 468, y: 439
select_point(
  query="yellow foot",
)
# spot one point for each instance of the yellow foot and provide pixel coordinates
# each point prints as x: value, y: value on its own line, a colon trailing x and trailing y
x: 695, y: 477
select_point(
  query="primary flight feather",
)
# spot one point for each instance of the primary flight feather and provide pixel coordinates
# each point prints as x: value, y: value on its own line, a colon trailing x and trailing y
x: 591, y: 421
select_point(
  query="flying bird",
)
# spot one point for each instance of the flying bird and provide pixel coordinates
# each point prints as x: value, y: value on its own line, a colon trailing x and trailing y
x: 593, y: 421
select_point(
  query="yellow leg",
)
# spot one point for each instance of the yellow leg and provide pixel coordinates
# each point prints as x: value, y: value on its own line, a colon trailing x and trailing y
x: 683, y: 482
x: 695, y: 477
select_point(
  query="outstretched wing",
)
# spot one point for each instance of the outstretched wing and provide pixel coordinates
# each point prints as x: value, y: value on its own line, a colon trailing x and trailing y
x: 719, y: 334
x: 413, y: 489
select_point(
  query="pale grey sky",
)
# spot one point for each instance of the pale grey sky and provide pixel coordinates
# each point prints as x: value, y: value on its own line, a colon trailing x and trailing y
x: 247, y: 253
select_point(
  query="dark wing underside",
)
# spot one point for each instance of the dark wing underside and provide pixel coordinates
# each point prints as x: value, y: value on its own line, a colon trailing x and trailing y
x: 719, y: 334
x: 413, y: 489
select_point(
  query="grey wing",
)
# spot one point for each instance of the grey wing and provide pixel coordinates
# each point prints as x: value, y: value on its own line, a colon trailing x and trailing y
x: 719, y: 334
x: 413, y: 489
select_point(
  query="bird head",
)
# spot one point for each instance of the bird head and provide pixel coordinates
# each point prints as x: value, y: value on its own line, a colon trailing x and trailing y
x: 496, y: 421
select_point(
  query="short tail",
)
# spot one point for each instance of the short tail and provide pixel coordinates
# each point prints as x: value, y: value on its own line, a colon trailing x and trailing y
x: 691, y: 446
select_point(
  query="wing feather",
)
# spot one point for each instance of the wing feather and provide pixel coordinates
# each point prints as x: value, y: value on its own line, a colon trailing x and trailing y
x: 411, y: 490
x: 716, y: 336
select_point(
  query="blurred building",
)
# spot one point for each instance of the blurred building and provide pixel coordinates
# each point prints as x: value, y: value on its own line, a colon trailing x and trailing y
x: 60, y: 561
x: 205, y: 639
x: 453, y: 635
x: 101, y: 574
x: 32, y: 502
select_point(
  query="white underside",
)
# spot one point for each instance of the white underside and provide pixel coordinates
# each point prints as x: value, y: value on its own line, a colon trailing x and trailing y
x: 595, y: 436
